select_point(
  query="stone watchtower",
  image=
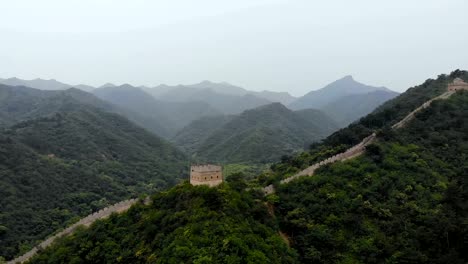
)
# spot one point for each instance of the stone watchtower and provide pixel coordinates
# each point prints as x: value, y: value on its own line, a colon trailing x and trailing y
x: 457, y: 85
x: 210, y: 175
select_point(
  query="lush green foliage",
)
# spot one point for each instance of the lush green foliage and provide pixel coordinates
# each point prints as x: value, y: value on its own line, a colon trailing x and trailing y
x: 394, y: 110
x: 381, y: 119
x: 185, y: 224
x: 249, y: 171
x: 56, y: 168
x: 404, y: 202
x: 260, y: 135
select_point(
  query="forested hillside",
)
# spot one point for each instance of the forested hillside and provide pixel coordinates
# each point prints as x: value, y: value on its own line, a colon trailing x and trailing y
x: 19, y: 103
x: 68, y: 164
x: 171, y: 116
x: 403, y: 201
x: 185, y: 224
x: 260, y: 135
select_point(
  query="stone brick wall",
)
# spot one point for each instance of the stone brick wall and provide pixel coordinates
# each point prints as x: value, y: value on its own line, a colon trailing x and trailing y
x: 456, y: 85
x: 210, y: 175
x: 87, y: 221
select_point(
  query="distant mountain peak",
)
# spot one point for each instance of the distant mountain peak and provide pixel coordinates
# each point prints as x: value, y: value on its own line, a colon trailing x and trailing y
x: 107, y: 85
x: 127, y: 86
x: 206, y: 82
x: 334, y: 91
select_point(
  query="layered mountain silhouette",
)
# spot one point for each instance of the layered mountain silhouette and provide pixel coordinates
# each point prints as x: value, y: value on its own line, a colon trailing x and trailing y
x: 42, y: 84
x: 402, y: 201
x: 224, y: 91
x: 171, y: 116
x: 259, y: 135
x: 64, y: 154
x: 165, y: 110
x: 19, y: 103
x: 348, y: 109
x: 346, y: 100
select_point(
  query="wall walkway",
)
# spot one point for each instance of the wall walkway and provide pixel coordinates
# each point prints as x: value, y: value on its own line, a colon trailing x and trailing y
x: 358, y: 149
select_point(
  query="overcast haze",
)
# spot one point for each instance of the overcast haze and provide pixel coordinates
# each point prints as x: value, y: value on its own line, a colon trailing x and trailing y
x: 294, y: 45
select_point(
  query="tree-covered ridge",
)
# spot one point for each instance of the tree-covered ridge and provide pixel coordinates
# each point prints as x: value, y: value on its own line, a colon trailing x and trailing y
x: 19, y: 103
x: 185, y: 224
x: 382, y: 118
x: 405, y: 201
x: 64, y: 166
x: 260, y: 135
x: 394, y: 110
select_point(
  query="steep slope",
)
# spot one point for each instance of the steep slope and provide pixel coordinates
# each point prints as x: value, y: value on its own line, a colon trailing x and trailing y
x: 70, y: 163
x: 259, y: 135
x: 404, y: 201
x: 138, y: 101
x: 335, y: 90
x: 19, y: 103
x: 192, y: 136
x: 185, y: 224
x: 394, y: 110
x: 170, y: 115
x: 350, y: 108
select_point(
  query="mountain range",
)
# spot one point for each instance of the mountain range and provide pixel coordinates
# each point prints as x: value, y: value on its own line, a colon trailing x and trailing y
x: 259, y: 135
x: 43, y: 84
x: 345, y: 100
x: 186, y: 103
x: 403, y: 201
x: 64, y: 154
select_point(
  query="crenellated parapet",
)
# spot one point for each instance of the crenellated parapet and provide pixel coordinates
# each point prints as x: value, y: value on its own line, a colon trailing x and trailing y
x: 86, y: 221
x: 211, y: 175
x: 458, y: 85
x: 358, y: 149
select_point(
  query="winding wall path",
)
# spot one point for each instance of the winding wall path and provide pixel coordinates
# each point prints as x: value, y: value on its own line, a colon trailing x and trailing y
x: 87, y: 221
x: 350, y: 153
x: 358, y: 149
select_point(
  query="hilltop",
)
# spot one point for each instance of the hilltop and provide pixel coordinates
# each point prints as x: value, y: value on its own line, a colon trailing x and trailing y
x: 345, y: 100
x: 260, y: 135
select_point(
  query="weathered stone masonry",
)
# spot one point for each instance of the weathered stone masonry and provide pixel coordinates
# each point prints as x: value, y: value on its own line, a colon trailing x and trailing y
x: 211, y: 175
x: 87, y: 221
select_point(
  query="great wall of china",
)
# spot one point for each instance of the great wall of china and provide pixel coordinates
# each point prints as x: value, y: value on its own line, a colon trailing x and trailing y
x: 360, y: 148
x: 350, y: 153
x: 87, y: 221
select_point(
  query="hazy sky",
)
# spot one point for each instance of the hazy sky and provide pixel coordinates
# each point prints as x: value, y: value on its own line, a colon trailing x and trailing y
x: 280, y: 45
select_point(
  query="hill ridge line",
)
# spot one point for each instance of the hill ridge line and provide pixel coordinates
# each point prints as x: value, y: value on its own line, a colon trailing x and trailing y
x: 359, y: 148
x: 119, y: 207
x: 123, y: 206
